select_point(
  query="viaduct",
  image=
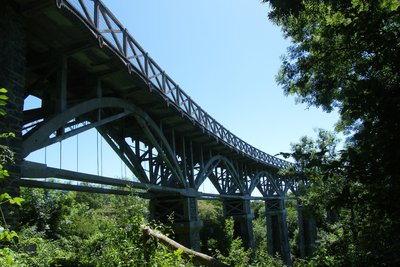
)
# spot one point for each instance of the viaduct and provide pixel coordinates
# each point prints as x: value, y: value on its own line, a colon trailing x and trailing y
x: 89, y: 72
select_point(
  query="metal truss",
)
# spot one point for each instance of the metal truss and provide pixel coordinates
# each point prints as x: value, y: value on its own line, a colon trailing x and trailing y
x: 162, y: 157
x: 111, y: 33
x: 68, y: 123
x: 222, y: 174
x: 158, y: 155
x: 152, y: 157
x: 270, y: 184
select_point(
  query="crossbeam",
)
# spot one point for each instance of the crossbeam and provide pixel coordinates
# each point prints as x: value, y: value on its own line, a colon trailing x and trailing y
x: 32, y: 170
x: 38, y: 170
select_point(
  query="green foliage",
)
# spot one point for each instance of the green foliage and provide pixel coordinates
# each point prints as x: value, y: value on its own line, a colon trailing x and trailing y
x: 292, y: 223
x: 260, y: 232
x: 10, y: 258
x: 6, y: 155
x: 7, y: 236
x: 213, y: 234
x: 69, y: 229
x: 263, y: 259
x: 218, y: 239
x: 12, y: 200
x: 345, y: 56
x: 3, y: 100
x: 334, y: 201
x: 333, y: 210
x: 237, y: 255
x: 5, y: 233
x: 46, y: 209
x: 163, y: 257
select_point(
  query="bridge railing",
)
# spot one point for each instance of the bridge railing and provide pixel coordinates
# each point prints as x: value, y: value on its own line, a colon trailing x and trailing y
x: 110, y: 31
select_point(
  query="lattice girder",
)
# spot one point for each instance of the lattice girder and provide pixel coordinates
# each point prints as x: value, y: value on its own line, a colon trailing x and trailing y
x: 272, y: 185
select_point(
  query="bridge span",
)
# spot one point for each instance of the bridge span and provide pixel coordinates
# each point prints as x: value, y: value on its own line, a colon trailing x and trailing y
x: 89, y: 72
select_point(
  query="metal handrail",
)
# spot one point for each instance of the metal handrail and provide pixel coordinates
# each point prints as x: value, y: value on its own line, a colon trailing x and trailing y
x: 111, y: 32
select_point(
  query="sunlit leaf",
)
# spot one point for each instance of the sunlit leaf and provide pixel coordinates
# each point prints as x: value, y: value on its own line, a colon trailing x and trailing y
x: 4, y: 196
x: 16, y: 200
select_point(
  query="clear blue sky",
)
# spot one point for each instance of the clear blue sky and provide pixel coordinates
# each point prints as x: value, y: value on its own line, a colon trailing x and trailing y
x: 225, y: 55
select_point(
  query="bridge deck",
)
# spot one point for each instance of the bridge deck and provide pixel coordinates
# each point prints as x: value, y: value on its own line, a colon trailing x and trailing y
x: 104, y: 49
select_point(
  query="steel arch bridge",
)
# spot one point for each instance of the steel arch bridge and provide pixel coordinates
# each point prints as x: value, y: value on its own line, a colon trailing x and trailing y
x: 89, y: 72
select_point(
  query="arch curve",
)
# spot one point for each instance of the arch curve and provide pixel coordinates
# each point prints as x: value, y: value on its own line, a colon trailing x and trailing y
x: 271, y: 185
x: 211, y: 165
x: 38, y: 136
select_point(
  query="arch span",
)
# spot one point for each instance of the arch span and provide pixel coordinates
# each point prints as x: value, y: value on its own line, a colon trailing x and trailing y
x: 209, y: 167
x: 39, y: 136
x: 270, y: 185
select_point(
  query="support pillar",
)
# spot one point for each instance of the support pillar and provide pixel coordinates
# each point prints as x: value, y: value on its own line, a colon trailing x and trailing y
x: 300, y: 237
x: 184, y: 213
x: 277, y: 230
x: 12, y: 77
x: 307, y: 230
x: 243, y: 220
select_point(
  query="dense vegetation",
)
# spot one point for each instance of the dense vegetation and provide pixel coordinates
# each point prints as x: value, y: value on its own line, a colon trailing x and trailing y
x: 82, y: 229
x: 345, y: 56
x: 79, y: 229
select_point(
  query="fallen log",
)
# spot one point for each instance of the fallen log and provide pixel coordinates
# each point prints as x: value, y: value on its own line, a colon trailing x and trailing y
x: 187, y: 252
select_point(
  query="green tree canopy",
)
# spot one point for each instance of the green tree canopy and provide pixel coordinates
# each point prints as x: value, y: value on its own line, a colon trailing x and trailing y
x: 345, y: 56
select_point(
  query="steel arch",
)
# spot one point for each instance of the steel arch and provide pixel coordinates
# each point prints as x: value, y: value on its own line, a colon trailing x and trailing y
x: 207, y: 171
x: 39, y: 136
x: 271, y: 185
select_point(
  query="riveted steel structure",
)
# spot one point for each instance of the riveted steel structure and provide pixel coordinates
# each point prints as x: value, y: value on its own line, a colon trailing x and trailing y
x: 89, y: 72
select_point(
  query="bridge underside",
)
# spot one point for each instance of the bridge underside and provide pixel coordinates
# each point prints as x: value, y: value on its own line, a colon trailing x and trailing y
x: 83, y: 84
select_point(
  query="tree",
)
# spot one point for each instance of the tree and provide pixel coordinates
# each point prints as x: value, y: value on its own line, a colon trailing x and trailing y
x: 323, y: 196
x: 7, y: 235
x: 345, y: 56
x: 213, y: 235
x: 6, y: 157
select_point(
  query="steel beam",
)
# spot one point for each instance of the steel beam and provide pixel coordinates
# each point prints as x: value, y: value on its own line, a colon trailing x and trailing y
x: 131, y: 159
x: 70, y: 187
x: 37, y: 170
x: 164, y: 151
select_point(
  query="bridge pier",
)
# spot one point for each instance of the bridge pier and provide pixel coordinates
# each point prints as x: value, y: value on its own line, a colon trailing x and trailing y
x: 240, y: 211
x: 12, y: 77
x: 277, y: 230
x: 307, y: 230
x: 182, y: 211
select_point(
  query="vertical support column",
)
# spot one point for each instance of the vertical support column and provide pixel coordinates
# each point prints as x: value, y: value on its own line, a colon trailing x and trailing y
x: 310, y: 235
x: 300, y: 240
x: 243, y: 220
x: 184, y: 211
x: 277, y: 230
x: 307, y: 230
x: 12, y: 77
x: 61, y: 90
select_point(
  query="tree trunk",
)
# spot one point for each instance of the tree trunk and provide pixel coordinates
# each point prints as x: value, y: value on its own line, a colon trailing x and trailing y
x: 188, y: 253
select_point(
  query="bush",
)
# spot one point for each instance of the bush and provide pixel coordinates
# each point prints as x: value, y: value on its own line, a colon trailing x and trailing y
x: 83, y: 234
